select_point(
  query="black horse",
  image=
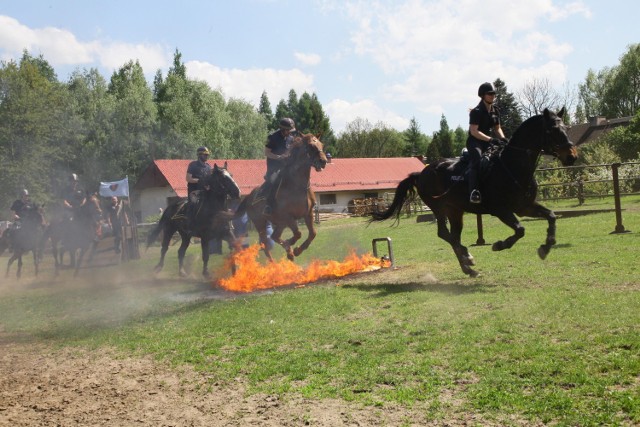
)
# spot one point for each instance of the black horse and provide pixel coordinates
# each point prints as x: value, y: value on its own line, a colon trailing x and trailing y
x: 24, y: 238
x: 76, y: 232
x: 211, y: 220
x: 507, y: 185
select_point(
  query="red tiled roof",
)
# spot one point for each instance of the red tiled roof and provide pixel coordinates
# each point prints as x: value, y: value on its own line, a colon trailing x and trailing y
x: 339, y: 175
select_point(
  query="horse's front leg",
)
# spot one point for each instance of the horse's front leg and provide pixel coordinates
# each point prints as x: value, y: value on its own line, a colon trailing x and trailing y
x: 19, y: 270
x: 276, y: 236
x: 182, y: 250
x: 509, y: 219
x: 312, y: 233
x: 204, y: 245
x: 36, y: 261
x: 536, y: 210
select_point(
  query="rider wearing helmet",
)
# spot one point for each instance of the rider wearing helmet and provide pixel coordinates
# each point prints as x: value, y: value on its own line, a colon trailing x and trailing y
x: 20, y: 205
x: 484, y: 120
x: 72, y: 197
x: 277, y: 150
x: 197, y: 170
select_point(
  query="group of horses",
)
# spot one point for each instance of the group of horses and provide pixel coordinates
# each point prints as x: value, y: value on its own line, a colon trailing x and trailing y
x: 73, y: 232
x: 294, y: 201
x: 507, y: 183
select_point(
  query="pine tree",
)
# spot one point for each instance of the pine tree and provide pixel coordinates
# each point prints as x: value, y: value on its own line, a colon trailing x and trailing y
x: 510, y: 116
x: 264, y: 109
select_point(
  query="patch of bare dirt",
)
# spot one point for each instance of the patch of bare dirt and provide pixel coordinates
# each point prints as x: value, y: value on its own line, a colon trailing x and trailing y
x: 43, y: 387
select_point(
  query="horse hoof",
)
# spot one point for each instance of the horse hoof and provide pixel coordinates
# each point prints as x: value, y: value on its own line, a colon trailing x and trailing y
x: 290, y: 256
x: 183, y: 273
x: 543, y: 252
x: 157, y: 269
x: 297, y: 251
x: 497, y: 246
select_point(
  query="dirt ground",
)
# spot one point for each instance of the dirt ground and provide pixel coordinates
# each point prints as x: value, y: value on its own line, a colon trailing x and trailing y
x: 43, y: 387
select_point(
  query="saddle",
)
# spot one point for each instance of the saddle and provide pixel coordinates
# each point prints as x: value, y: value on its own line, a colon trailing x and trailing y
x: 459, y: 169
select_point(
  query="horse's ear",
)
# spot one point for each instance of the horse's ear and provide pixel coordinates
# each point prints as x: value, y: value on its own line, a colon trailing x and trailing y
x: 319, y: 135
x: 215, y: 167
x: 561, y: 112
x: 546, y: 113
x: 225, y: 165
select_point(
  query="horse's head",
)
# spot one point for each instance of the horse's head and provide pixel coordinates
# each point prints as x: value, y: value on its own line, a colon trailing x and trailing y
x: 308, y: 149
x: 556, y: 141
x: 221, y: 183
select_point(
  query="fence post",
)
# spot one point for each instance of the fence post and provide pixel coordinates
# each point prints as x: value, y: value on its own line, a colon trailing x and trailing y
x: 616, y: 195
x: 480, y: 241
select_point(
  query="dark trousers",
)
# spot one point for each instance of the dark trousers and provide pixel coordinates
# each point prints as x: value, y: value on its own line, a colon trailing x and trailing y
x: 476, y: 148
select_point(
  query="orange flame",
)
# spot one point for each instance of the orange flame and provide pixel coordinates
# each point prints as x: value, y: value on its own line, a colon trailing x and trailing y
x: 250, y: 275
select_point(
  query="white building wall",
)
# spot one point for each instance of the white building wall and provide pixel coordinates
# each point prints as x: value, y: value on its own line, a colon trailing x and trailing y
x: 150, y: 200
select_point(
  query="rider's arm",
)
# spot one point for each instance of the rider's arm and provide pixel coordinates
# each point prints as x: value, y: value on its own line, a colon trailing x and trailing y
x: 191, y: 179
x: 270, y: 155
x: 475, y: 132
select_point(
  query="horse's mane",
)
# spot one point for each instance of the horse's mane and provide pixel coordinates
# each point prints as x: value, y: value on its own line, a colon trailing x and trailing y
x: 525, y: 126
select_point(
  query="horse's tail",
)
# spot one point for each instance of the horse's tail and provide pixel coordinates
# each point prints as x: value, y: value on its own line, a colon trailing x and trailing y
x: 405, y: 191
x: 164, y: 219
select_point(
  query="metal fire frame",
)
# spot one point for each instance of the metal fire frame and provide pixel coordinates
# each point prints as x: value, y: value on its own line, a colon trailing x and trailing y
x: 374, y: 243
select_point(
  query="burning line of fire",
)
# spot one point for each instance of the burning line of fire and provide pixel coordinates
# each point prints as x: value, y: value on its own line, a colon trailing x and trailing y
x: 250, y: 275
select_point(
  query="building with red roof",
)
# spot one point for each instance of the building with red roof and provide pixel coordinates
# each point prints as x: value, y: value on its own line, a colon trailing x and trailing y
x: 341, y: 181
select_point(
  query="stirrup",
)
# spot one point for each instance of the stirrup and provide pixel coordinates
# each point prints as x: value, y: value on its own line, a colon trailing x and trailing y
x: 475, y: 197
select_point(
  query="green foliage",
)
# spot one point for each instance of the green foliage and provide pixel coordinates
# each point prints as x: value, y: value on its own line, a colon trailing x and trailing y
x: 362, y: 139
x: 510, y: 115
x: 415, y: 141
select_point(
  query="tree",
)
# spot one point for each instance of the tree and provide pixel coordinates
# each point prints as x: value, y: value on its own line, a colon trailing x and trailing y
x: 38, y: 130
x: 444, y: 138
x: 536, y: 95
x: 415, y: 142
x: 135, y: 119
x: 510, y: 117
x: 433, y: 153
x: 95, y: 110
x: 459, y: 140
x: 246, y: 130
x: 621, y: 96
x: 264, y: 109
x: 362, y: 139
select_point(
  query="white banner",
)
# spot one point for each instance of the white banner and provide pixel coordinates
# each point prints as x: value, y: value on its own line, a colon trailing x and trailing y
x: 116, y: 188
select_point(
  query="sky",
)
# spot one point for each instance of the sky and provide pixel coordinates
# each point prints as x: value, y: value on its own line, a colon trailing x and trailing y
x: 383, y: 61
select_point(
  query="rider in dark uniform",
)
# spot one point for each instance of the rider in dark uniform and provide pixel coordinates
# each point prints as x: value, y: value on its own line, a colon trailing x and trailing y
x: 196, y: 170
x: 73, y: 197
x: 483, y: 120
x: 276, y: 150
x: 20, y: 205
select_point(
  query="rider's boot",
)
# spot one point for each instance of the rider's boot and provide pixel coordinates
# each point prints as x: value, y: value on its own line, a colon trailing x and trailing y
x: 475, y: 196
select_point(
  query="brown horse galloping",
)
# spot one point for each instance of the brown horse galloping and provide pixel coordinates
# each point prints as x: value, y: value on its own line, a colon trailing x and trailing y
x: 294, y: 198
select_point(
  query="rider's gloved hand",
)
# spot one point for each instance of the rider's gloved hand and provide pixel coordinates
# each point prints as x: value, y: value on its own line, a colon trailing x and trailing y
x: 495, y: 141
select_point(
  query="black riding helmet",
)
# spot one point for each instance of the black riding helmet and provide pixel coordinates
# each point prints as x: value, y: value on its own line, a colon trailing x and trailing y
x: 485, y: 88
x: 203, y: 150
x: 287, y: 124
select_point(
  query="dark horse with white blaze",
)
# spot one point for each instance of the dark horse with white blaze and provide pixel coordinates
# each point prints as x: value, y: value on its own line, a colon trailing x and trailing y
x: 507, y: 185
x: 294, y: 198
x: 25, y: 238
x: 211, y: 220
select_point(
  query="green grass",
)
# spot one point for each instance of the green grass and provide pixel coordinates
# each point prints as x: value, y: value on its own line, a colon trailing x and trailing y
x: 554, y: 341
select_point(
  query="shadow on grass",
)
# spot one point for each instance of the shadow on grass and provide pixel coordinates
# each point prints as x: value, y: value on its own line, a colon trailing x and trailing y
x: 451, y: 288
